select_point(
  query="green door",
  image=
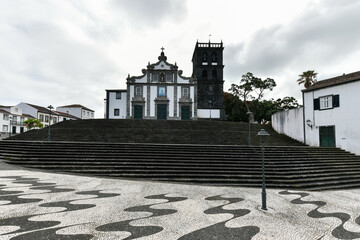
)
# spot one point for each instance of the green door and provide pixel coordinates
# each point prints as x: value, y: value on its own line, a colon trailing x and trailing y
x: 161, y: 111
x: 138, y: 112
x: 327, y: 136
x: 185, y: 112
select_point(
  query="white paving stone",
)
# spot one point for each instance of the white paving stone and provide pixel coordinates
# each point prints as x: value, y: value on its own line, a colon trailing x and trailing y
x: 184, y: 212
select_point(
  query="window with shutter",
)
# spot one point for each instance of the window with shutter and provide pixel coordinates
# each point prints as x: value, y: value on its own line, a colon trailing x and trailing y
x: 316, y: 104
x: 336, y: 101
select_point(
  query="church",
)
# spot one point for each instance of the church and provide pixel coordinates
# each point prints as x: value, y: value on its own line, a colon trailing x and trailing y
x: 163, y: 93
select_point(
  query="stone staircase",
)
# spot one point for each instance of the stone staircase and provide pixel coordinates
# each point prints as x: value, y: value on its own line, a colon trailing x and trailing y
x: 290, y: 167
x: 157, y: 131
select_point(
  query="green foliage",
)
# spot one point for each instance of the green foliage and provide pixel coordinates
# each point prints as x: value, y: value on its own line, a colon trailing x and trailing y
x: 307, y: 78
x: 236, y: 111
x: 247, y: 97
x: 33, y: 123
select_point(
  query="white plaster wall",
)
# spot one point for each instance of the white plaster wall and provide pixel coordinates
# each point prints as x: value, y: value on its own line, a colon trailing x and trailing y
x: 345, y: 118
x: 131, y: 97
x: 153, y: 94
x: 117, y: 103
x: 182, y: 80
x: 142, y: 80
x: 290, y: 123
x: 26, y: 109
x: 162, y: 65
x: 205, y: 113
x: 192, y: 96
x: 73, y: 111
x: 170, y: 95
x: 145, y: 97
x: 178, y: 97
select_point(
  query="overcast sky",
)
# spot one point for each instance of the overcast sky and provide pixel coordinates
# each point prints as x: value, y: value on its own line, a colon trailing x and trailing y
x: 64, y: 52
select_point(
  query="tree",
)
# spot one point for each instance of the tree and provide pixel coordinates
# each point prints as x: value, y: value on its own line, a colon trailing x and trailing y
x: 33, y: 123
x: 251, y: 88
x: 263, y: 110
x: 286, y: 103
x: 307, y: 78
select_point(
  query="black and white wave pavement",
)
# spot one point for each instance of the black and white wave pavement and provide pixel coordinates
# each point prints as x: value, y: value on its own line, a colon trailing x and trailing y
x: 49, y: 206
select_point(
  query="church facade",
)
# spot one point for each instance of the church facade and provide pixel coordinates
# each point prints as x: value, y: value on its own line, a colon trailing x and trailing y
x: 163, y: 93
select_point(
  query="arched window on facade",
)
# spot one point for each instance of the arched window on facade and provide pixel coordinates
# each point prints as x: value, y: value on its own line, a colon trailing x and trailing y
x: 204, y: 57
x: 214, y: 74
x: 204, y: 73
x: 214, y: 57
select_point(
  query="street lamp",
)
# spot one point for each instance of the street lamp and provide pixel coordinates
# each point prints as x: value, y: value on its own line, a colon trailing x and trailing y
x: 49, y: 107
x: 210, y: 104
x: 249, y: 113
x: 263, y: 137
x: 10, y: 118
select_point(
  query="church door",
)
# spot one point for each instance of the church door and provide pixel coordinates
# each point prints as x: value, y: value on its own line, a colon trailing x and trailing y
x: 185, y: 112
x: 138, y: 112
x: 161, y: 111
x: 327, y: 136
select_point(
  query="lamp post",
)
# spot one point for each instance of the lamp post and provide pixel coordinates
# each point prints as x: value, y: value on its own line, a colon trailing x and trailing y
x: 49, y: 107
x: 263, y: 137
x: 249, y: 113
x: 10, y: 119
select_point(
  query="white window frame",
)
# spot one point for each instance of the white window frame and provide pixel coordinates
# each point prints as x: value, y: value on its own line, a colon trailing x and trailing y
x: 138, y: 91
x: 155, y: 77
x: 5, y: 128
x: 169, y: 77
x: 186, y: 92
x: 326, y: 102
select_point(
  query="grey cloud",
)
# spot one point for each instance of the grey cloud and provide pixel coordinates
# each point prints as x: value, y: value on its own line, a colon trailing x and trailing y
x: 150, y: 13
x: 40, y: 61
x: 325, y: 34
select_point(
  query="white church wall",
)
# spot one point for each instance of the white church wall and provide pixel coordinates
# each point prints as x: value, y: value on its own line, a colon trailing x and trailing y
x: 178, y: 105
x: 170, y: 96
x: 182, y: 80
x: 145, y: 97
x: 290, y: 123
x: 142, y: 80
x: 131, y: 97
x: 153, y: 94
x: 163, y: 66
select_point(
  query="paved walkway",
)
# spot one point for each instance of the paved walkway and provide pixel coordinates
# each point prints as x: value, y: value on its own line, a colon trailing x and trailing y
x: 40, y: 205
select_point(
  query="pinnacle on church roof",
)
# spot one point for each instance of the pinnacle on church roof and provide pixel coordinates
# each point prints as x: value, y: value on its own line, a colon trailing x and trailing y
x: 162, y: 56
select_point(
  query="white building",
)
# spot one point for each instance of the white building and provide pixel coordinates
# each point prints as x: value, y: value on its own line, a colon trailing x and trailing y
x: 77, y: 110
x: 12, y: 120
x: 330, y: 116
x: 66, y: 116
x: 160, y: 93
x: 38, y: 112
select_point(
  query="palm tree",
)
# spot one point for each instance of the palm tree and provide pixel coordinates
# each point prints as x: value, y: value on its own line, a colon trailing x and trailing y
x: 307, y: 78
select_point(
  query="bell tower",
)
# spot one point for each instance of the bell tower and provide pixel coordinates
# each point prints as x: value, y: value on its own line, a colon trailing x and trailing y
x: 208, y: 70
